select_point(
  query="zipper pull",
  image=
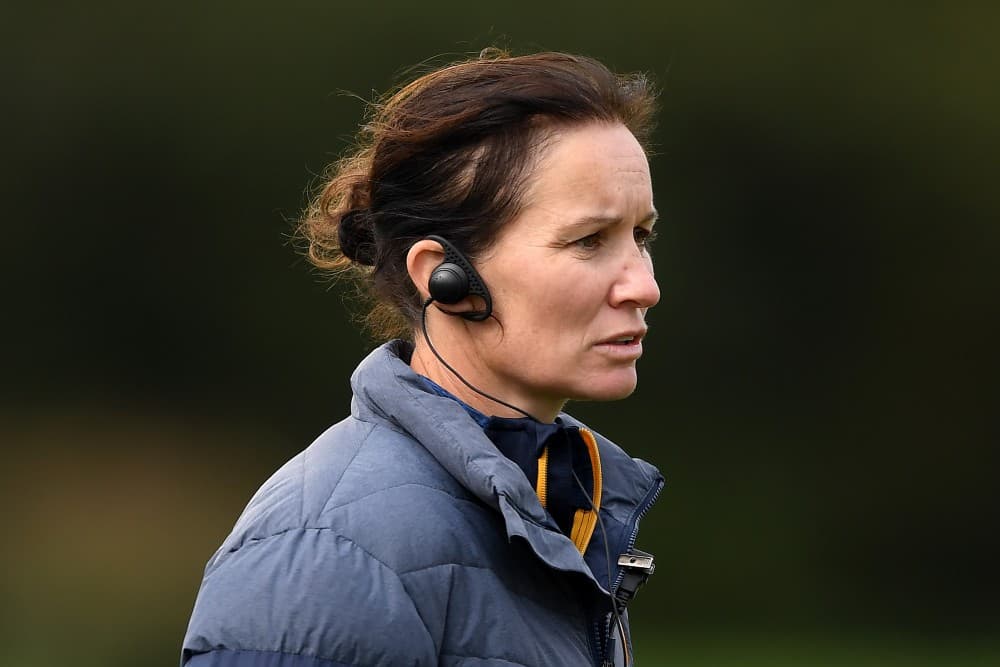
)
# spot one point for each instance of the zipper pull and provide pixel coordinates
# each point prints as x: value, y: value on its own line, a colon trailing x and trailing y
x: 636, y: 566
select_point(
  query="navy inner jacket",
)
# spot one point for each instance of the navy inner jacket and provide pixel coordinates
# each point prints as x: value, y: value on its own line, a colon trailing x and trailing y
x: 524, y: 440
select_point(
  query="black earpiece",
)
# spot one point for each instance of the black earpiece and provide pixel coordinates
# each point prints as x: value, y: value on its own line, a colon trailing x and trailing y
x: 451, y: 281
x: 455, y: 279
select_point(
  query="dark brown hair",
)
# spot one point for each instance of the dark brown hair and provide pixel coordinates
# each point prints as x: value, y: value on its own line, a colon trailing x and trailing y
x: 450, y: 154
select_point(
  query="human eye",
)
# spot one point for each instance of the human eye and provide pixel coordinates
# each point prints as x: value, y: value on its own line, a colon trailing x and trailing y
x: 589, y: 243
x: 644, y: 237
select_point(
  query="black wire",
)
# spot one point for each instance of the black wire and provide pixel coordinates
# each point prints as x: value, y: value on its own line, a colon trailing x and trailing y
x: 423, y: 326
x: 607, y: 558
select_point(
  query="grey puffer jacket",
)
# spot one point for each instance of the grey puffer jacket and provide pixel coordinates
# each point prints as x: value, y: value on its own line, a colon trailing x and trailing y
x: 402, y: 536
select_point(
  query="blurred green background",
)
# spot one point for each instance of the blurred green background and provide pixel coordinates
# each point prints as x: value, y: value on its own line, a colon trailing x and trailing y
x: 819, y: 385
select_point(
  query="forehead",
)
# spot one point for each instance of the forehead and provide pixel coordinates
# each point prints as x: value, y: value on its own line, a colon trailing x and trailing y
x: 591, y: 170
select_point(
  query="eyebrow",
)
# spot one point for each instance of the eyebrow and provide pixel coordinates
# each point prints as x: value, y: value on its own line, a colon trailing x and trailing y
x: 605, y: 220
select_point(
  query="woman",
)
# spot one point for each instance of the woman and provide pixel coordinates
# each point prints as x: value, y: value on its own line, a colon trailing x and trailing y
x: 501, y: 210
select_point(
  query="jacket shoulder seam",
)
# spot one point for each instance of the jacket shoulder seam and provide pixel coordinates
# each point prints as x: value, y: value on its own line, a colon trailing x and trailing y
x: 369, y: 495
x: 335, y: 486
x: 448, y: 564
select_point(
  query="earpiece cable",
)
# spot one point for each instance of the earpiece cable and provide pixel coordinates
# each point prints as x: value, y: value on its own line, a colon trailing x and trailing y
x: 607, y: 556
x: 423, y: 326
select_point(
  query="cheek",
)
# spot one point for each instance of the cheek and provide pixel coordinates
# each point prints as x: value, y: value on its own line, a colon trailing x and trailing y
x: 559, y: 320
x: 546, y: 302
x: 564, y: 303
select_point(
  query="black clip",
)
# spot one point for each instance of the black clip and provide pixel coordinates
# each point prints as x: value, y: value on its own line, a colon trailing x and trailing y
x: 636, y: 566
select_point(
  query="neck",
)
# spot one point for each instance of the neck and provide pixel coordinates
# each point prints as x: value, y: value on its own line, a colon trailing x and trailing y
x: 426, y: 363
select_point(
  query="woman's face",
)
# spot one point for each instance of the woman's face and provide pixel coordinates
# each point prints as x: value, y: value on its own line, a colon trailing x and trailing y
x: 571, y: 276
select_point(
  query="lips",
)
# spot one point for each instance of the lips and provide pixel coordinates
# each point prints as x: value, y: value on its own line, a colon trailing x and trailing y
x: 625, y: 338
x: 622, y: 348
x: 621, y: 341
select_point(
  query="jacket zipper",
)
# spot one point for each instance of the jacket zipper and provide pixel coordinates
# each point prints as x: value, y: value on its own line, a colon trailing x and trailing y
x: 596, y: 639
x: 635, y: 532
x: 601, y: 638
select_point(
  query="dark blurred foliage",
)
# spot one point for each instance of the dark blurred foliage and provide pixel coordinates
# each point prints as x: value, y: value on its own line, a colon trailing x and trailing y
x: 820, y: 384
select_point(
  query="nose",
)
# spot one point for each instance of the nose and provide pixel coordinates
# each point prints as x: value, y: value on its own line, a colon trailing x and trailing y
x: 636, y: 286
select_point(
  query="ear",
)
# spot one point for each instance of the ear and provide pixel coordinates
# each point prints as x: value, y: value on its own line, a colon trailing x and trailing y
x: 423, y: 257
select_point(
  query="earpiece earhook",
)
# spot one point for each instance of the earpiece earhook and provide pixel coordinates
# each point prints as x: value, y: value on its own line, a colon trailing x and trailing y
x: 455, y: 279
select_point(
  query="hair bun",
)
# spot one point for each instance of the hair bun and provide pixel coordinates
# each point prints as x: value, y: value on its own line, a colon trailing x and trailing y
x: 356, y: 235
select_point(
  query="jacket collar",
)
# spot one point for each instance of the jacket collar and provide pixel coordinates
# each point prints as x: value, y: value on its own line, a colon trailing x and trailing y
x: 387, y: 389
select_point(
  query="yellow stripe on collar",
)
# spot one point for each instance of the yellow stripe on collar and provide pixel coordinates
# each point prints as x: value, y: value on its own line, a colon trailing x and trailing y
x: 542, y: 485
x: 584, y: 520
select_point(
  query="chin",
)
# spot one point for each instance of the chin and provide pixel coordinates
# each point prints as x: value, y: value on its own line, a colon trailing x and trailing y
x: 608, y: 389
